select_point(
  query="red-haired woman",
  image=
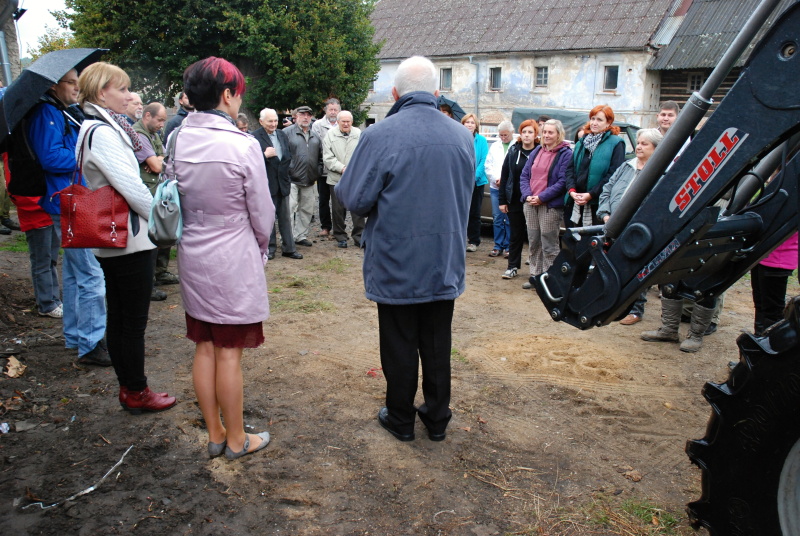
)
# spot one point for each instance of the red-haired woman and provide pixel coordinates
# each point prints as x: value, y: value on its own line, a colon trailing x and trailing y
x: 510, y: 196
x: 227, y: 219
x: 596, y: 157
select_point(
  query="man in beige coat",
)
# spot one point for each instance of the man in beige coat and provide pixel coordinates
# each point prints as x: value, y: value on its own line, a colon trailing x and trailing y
x: 338, y: 146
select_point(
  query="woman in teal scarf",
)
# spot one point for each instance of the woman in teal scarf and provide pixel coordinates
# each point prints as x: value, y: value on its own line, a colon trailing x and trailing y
x: 596, y: 157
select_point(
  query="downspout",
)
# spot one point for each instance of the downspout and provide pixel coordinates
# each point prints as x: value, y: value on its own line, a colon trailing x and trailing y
x: 8, y: 10
x: 477, y: 86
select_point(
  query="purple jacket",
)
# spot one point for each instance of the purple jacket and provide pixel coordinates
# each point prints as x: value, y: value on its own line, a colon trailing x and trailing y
x: 553, y: 195
x: 227, y: 219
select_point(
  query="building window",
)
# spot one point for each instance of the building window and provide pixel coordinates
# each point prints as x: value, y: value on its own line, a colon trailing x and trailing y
x: 445, y: 79
x: 696, y: 81
x: 541, y: 77
x: 611, y: 78
x: 372, y: 84
x: 494, y: 79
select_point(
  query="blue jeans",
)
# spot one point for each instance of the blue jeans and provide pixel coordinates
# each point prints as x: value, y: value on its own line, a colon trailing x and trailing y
x: 43, y: 246
x: 84, y: 297
x: 502, y: 228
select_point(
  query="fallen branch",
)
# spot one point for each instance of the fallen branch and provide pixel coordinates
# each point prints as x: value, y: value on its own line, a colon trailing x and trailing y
x: 84, y: 492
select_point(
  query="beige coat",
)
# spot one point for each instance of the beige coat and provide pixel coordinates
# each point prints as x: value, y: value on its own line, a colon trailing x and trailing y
x: 337, y: 150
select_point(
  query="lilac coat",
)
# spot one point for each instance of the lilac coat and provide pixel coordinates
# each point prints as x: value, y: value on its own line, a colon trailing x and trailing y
x: 227, y: 219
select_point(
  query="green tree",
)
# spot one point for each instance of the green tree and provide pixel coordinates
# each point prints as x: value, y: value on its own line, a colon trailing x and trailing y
x: 292, y: 53
x: 53, y: 39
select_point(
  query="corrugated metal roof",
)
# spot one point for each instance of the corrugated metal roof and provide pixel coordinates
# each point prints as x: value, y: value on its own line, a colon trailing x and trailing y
x: 707, y: 31
x: 460, y: 27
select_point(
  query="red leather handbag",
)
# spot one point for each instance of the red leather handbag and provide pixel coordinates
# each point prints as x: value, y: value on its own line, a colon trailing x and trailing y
x: 92, y: 219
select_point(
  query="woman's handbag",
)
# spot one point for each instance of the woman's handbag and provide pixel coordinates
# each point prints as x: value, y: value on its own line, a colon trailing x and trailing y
x: 165, y: 225
x: 92, y: 219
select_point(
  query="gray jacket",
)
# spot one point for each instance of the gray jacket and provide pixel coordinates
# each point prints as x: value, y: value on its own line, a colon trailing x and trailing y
x: 337, y: 150
x: 306, y: 166
x: 616, y: 187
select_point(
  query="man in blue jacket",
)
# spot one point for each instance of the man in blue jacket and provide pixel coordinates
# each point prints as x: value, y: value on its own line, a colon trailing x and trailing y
x: 412, y: 176
x: 53, y: 133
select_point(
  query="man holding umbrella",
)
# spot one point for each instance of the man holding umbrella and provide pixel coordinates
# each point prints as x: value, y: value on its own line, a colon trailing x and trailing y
x: 53, y: 133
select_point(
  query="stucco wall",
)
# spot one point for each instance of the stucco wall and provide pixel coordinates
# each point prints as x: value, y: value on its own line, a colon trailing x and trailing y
x: 575, y: 83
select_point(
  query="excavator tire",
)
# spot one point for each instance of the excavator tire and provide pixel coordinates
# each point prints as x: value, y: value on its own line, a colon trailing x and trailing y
x: 750, y: 455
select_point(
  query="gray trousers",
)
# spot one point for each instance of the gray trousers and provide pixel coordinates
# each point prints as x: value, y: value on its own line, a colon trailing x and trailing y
x: 283, y: 222
x: 339, y: 214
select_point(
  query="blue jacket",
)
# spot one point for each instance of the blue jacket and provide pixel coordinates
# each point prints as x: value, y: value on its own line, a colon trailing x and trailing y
x: 412, y: 175
x: 553, y: 195
x: 54, y: 149
x: 481, y: 152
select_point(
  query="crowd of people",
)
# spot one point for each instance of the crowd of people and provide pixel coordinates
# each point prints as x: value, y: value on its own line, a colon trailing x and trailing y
x: 240, y: 188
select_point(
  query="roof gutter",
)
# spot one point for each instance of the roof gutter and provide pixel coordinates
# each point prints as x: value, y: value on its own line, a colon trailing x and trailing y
x: 477, y: 86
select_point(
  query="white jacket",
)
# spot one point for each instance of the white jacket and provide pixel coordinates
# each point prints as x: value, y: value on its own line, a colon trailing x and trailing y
x: 494, y: 163
x: 110, y: 160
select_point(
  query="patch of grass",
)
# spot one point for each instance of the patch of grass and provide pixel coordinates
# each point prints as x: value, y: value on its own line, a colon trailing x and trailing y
x: 632, y: 517
x: 458, y: 356
x: 302, y: 306
x: 650, y: 514
x: 335, y: 265
x: 18, y: 244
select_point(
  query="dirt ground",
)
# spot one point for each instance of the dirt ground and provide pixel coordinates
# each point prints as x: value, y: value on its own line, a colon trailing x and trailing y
x: 554, y: 430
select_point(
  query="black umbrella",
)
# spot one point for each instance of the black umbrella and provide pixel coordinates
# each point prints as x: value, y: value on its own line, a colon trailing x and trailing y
x: 25, y: 91
x: 455, y: 109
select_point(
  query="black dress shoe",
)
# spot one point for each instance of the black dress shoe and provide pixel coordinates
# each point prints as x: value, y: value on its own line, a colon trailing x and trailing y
x: 383, y: 418
x: 342, y: 243
x: 5, y: 231
x: 437, y: 437
x: 304, y: 242
x: 292, y: 254
x: 270, y: 256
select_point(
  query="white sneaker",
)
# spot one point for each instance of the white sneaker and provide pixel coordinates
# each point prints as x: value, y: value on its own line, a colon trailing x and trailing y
x: 58, y: 312
x: 472, y: 247
x: 510, y: 273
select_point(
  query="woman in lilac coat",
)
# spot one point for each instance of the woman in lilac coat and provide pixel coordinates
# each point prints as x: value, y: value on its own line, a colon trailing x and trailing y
x: 227, y: 219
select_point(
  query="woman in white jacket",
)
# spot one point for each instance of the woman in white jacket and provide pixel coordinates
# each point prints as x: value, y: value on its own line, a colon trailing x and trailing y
x: 108, y: 158
x: 494, y: 165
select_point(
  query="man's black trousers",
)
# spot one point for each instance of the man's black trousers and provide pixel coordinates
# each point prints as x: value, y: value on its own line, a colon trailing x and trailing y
x: 410, y: 334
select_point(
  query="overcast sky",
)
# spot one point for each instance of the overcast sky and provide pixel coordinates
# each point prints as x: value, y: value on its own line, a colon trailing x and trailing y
x: 33, y: 22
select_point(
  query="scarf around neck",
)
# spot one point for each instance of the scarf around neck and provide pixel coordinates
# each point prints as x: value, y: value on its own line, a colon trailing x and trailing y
x: 591, y: 141
x: 122, y: 121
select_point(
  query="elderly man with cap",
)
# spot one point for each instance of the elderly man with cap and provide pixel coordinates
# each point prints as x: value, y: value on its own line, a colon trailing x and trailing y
x: 304, y: 170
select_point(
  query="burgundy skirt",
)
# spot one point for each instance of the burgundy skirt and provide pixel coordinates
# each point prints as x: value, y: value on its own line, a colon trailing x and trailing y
x: 225, y: 335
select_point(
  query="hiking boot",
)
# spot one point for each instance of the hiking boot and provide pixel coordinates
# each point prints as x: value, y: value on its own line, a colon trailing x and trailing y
x: 166, y: 278
x: 701, y: 319
x: 510, y: 273
x: 98, y: 356
x: 10, y: 224
x: 670, y: 320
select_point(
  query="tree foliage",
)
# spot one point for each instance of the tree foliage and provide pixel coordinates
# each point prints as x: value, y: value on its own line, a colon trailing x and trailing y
x: 292, y: 53
x: 53, y: 39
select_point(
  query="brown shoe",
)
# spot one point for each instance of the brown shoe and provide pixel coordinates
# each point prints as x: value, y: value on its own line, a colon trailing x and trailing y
x: 147, y: 400
x: 630, y: 320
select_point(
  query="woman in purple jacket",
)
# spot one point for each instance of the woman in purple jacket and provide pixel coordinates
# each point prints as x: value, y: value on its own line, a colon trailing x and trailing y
x: 227, y: 219
x: 543, y: 185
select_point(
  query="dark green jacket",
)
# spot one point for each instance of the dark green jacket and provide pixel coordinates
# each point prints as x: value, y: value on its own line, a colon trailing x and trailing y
x: 150, y: 179
x: 608, y: 156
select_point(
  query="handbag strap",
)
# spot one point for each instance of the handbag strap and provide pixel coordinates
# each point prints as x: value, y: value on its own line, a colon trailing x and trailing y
x: 87, y: 139
x: 169, y: 157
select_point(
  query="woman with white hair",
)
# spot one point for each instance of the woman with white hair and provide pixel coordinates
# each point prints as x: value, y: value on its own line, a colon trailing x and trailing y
x: 494, y: 167
x: 614, y: 190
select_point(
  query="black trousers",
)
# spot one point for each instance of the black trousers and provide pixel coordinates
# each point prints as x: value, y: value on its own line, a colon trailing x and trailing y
x: 129, y: 282
x: 324, y: 190
x: 474, y: 221
x: 283, y: 222
x: 518, y: 239
x: 410, y: 334
x: 769, y: 295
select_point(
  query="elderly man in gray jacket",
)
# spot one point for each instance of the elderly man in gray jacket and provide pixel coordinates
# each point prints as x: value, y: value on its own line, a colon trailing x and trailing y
x: 337, y: 149
x: 413, y: 175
